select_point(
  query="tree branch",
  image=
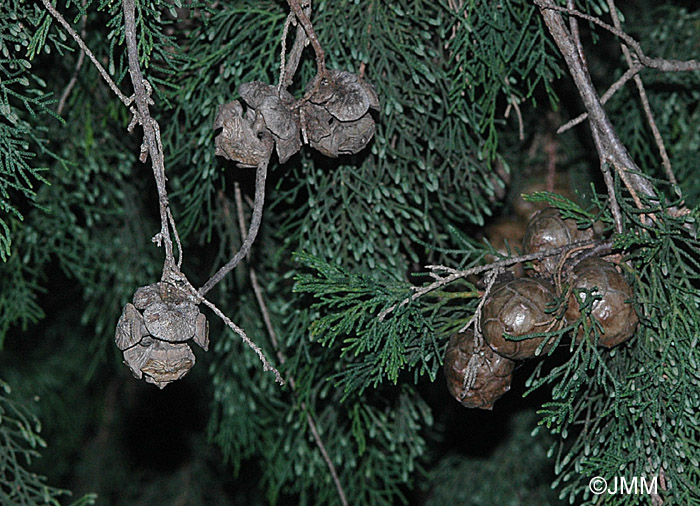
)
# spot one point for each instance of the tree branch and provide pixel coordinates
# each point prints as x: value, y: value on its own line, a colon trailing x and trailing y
x: 78, y: 66
x: 155, y: 150
x: 151, y: 134
x: 629, y: 74
x: 300, y: 42
x: 266, y: 365
x: 665, y: 160
x: 260, y: 176
x: 661, y: 64
x: 50, y: 8
x: 302, y: 15
x: 257, y: 289
x: 455, y: 274
x: 153, y: 147
x: 600, y: 147
x: 608, y: 144
x: 304, y: 21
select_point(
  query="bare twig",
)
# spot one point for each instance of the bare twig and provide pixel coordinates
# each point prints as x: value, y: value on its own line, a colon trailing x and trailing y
x: 455, y: 275
x: 608, y: 144
x: 283, y: 51
x: 300, y: 42
x: 476, y: 317
x: 266, y: 365
x: 305, y: 22
x: 177, y: 238
x: 311, y: 34
x: 78, y: 65
x: 560, y: 265
x: 254, y: 277
x: 614, y: 206
x: 665, y: 160
x: 629, y: 74
x: 257, y: 289
x: 596, y: 134
x: 151, y: 133
x: 260, y: 176
x: 656, y: 63
x: 71, y: 83
x: 154, y: 148
x: 513, y: 104
x: 609, y: 182
x: 50, y: 8
x: 326, y: 457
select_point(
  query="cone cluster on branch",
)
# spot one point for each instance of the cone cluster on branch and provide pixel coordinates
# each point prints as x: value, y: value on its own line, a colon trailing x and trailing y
x: 335, y: 120
x: 152, y: 333
x: 518, y: 313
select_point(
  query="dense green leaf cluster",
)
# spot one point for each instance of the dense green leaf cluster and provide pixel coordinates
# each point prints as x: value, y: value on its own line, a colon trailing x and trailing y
x: 24, y: 104
x: 343, y: 242
x: 19, y: 446
x: 644, y: 396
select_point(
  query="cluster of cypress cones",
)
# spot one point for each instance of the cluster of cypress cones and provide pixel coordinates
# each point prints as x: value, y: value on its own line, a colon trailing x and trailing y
x: 479, y: 365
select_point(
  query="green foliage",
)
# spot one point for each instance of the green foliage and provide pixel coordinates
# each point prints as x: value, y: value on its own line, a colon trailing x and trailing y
x: 343, y: 242
x: 23, y: 104
x: 377, y: 348
x: 19, y: 290
x: 498, y: 56
x: 515, y: 473
x: 19, y: 446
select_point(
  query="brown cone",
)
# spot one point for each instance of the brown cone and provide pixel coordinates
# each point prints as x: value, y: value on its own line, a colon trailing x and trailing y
x: 617, y: 317
x: 476, y: 376
x: 516, y: 307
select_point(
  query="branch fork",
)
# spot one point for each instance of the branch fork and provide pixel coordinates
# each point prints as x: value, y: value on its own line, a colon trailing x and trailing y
x: 138, y: 104
x: 611, y: 150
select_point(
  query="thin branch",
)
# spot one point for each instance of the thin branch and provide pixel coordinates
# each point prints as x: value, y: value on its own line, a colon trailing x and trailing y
x: 311, y: 34
x: 513, y: 104
x: 254, y: 277
x: 326, y: 457
x: 266, y: 365
x: 610, y: 147
x: 260, y: 176
x: 665, y: 160
x: 152, y: 146
x: 78, y: 65
x: 597, y: 136
x: 490, y: 279
x: 151, y: 132
x: 283, y: 51
x: 125, y: 100
x: 300, y: 42
x: 177, y: 238
x: 257, y: 289
x: 71, y: 83
x: 661, y: 64
x: 455, y: 275
x: 629, y: 74
x: 610, y: 186
x: 303, y: 19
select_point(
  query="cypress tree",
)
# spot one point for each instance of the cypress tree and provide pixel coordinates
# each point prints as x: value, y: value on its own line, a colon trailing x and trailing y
x: 338, y: 202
